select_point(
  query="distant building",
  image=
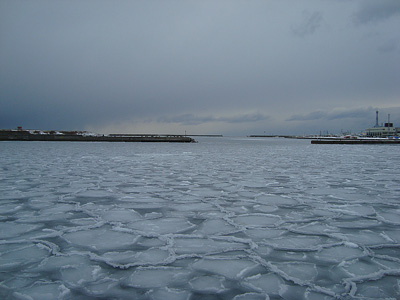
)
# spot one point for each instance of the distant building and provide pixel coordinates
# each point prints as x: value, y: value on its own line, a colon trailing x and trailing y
x: 384, y: 130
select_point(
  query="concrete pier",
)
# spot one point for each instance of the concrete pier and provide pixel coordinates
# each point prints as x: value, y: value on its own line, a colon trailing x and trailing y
x: 73, y: 136
x: 356, y: 141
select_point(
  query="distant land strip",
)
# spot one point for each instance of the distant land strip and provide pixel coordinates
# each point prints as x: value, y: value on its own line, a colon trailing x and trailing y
x: 273, y: 136
x: 132, y: 134
x: 83, y: 136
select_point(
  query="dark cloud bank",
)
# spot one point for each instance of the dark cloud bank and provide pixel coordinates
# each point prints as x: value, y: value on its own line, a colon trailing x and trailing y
x: 229, y: 67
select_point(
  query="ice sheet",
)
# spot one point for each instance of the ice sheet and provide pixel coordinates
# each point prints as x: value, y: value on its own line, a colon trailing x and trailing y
x: 269, y: 283
x: 230, y: 268
x: 205, y: 246
x: 257, y: 220
x: 208, y: 284
x: 157, y: 277
x: 100, y: 239
x: 161, y: 226
x: 135, y: 258
x: 226, y: 218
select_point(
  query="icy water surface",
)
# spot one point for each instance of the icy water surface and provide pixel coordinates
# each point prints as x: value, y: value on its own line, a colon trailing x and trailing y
x: 226, y: 218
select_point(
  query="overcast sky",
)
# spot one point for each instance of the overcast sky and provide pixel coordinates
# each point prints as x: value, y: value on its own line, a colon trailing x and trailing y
x: 233, y: 67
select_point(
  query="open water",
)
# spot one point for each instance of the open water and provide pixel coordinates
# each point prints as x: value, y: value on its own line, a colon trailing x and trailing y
x: 225, y: 218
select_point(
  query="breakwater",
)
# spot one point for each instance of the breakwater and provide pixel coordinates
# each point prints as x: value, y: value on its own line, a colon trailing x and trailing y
x: 356, y: 141
x: 273, y: 136
x: 81, y: 136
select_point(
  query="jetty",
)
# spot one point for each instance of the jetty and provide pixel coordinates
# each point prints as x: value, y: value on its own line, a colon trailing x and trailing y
x: 379, y: 134
x: 272, y: 136
x: 356, y: 141
x: 83, y: 136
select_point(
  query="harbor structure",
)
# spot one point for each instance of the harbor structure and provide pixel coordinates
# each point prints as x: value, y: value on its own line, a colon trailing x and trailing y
x: 83, y: 136
x: 384, y: 130
x: 385, y: 133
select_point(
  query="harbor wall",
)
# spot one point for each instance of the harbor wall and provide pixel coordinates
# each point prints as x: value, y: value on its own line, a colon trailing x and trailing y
x: 25, y: 135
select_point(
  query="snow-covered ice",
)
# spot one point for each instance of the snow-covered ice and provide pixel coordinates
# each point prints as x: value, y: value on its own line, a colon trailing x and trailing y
x: 225, y: 218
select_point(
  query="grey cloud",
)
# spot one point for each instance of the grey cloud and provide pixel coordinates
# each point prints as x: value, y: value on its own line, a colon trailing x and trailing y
x: 186, y: 119
x: 372, y: 11
x: 351, y: 114
x: 343, y: 120
x: 191, y: 119
x: 311, y: 22
x: 71, y: 64
x: 245, y: 118
x: 389, y: 46
x: 316, y: 115
x: 333, y: 115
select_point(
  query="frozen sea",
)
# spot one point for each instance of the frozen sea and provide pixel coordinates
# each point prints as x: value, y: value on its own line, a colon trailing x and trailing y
x: 225, y: 218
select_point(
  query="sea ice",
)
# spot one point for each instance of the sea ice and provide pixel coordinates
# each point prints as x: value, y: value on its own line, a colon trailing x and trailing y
x: 276, y: 200
x: 208, y: 284
x: 150, y: 242
x: 257, y: 220
x: 314, y: 295
x: 324, y: 212
x: 263, y: 233
x: 265, y: 208
x: 196, y: 207
x: 162, y: 225
x: 263, y: 250
x: 153, y: 215
x: 388, y: 264
x: 121, y: 215
x: 153, y: 277
x: 296, y: 243
x: 237, y: 208
x: 315, y: 228
x: 251, y: 296
x: 203, y: 246
x: 9, y: 208
x: 106, y: 288
x: 13, y: 283
x: 211, y: 215
x: 360, y: 210
x: 300, y: 271
x: 101, y: 239
x: 155, y: 222
x: 168, y: 294
x: 56, y: 209
x: 359, y: 267
x: 368, y: 238
x: 55, y: 263
x: 76, y: 276
x: 269, y: 283
x: 46, y: 217
x: 84, y: 221
x: 95, y: 194
x: 230, y: 268
x: 386, y: 288
x: 294, y: 292
x: 19, y: 256
x: 357, y: 224
x: 394, y: 235
x: 392, y: 217
x: 14, y: 230
x: 206, y: 192
x: 339, y: 253
x: 149, y: 256
x: 43, y: 291
x: 215, y: 227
